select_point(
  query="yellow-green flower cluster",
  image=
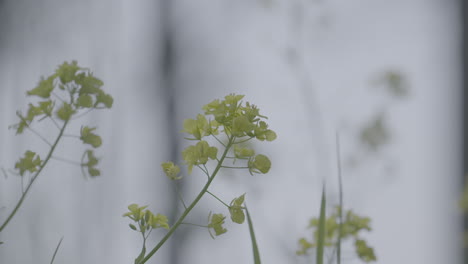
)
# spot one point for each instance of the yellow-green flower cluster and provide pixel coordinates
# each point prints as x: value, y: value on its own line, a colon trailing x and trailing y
x: 238, y: 122
x: 145, y: 219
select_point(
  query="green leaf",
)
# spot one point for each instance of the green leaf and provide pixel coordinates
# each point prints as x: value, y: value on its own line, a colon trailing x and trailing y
x: 270, y: 135
x: 44, y: 88
x: 241, y: 126
x: 304, y: 246
x: 233, y: 99
x: 21, y: 125
x: 261, y: 132
x: 44, y: 108
x: 30, y: 162
x: 132, y: 226
x: 94, y: 172
x: 65, y: 112
x: 321, y: 230
x: 88, y: 137
x: 25, y: 121
x: 256, y: 252
x: 198, y: 154
x: 217, y: 220
x: 135, y: 212
x: 158, y: 221
x: 236, y: 210
x: 260, y: 164
x: 92, y: 162
x: 89, y: 84
x: 47, y: 107
x: 199, y: 127
x: 85, y: 101
x: 364, y: 252
x: 105, y: 99
x: 33, y: 111
x: 171, y: 170
x: 66, y: 72
x: 240, y: 152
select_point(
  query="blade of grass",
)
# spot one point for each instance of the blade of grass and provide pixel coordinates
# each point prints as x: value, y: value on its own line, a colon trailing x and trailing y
x: 321, y: 229
x: 340, y: 211
x: 256, y: 253
x: 56, y: 250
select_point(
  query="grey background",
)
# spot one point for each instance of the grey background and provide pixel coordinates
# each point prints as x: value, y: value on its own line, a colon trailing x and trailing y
x: 309, y: 65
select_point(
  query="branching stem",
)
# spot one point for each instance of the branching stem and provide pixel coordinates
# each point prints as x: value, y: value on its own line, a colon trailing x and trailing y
x: 180, y: 196
x: 67, y: 161
x: 216, y: 197
x: 204, y: 226
x: 39, y: 135
x: 192, y: 205
x: 242, y: 141
x: 220, y: 142
x: 34, y: 177
x: 229, y: 167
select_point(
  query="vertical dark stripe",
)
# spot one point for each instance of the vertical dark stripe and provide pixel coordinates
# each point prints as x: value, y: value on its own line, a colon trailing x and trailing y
x: 464, y: 8
x: 168, y: 67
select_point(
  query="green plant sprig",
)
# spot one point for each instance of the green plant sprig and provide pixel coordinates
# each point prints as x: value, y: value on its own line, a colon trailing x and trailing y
x: 191, y: 206
x: 84, y: 93
x: 34, y: 177
x: 239, y: 124
x: 350, y: 228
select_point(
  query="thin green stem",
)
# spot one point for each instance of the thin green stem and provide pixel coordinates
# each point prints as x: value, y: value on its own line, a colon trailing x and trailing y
x: 56, y: 250
x: 183, y: 223
x: 180, y: 196
x: 28, y: 126
x: 54, y: 122
x: 67, y: 161
x: 192, y: 205
x: 239, y: 158
x: 149, y: 233
x: 22, y: 184
x: 340, y: 211
x: 229, y: 167
x: 84, y: 113
x: 216, y: 197
x: 220, y: 142
x: 58, y: 97
x: 242, y: 141
x: 204, y: 170
x: 34, y: 177
x: 73, y: 136
x: 39, y: 135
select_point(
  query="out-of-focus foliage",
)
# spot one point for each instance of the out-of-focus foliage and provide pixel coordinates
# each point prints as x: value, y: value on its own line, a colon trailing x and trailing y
x: 71, y: 91
x: 353, y: 226
x: 394, y: 83
x: 68, y: 93
x: 376, y: 133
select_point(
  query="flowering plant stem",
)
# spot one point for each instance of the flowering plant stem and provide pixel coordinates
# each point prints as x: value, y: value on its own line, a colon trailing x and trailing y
x: 192, y: 205
x: 34, y: 177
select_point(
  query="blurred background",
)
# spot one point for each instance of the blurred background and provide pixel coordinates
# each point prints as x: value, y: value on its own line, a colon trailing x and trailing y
x: 387, y: 76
